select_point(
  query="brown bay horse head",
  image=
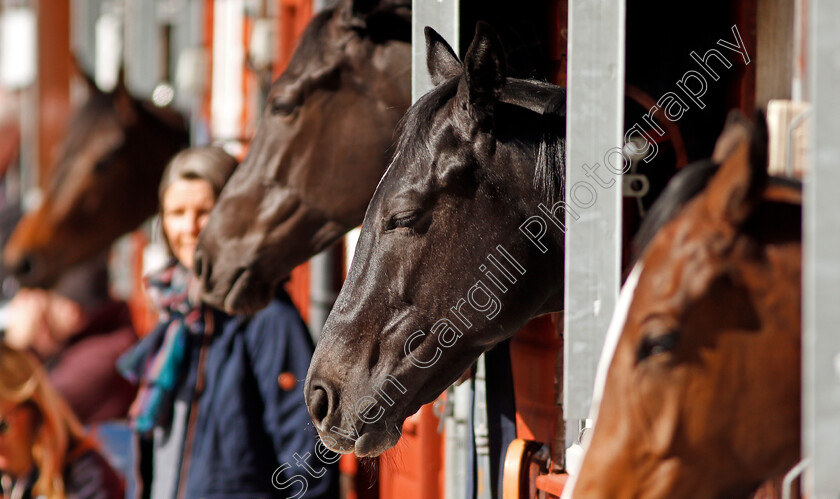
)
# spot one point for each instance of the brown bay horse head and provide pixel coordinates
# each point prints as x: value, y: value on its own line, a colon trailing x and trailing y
x: 443, y: 269
x: 322, y: 145
x: 702, y: 394
x: 103, y: 184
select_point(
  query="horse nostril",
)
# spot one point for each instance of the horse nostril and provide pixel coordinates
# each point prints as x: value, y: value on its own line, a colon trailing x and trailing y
x: 198, y: 263
x: 24, y: 267
x: 319, y: 404
x: 201, y: 266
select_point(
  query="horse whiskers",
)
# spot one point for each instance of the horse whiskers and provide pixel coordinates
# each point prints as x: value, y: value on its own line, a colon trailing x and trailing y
x: 369, y: 465
x: 393, y: 458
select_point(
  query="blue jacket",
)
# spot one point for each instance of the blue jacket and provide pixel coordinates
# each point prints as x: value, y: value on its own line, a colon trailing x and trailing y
x: 247, y: 436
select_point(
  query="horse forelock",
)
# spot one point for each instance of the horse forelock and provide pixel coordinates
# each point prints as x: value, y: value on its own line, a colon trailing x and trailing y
x: 547, y: 130
x: 687, y: 184
x: 310, y: 47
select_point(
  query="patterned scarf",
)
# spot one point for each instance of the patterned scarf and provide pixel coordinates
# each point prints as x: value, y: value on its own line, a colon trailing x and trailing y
x: 157, y: 361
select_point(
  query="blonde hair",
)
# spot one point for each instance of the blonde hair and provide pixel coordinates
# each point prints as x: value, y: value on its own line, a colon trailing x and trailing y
x: 24, y: 381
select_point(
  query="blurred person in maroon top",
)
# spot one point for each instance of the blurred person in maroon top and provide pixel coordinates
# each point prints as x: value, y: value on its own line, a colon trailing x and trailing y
x: 78, y: 330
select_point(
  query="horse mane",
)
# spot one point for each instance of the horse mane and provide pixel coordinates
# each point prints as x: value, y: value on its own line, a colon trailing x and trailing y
x: 309, y: 48
x: 682, y: 188
x: 388, y: 22
x: 549, y: 103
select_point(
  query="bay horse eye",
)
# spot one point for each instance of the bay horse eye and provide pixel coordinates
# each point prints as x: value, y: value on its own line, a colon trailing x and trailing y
x: 657, y: 343
x: 281, y: 108
x: 104, y: 162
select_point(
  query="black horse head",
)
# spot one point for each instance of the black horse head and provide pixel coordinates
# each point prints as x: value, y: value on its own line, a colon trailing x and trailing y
x: 460, y: 246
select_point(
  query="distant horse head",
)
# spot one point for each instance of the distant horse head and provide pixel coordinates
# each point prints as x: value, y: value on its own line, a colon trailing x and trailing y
x: 103, y: 184
x: 443, y: 269
x: 702, y: 396
x: 323, y: 144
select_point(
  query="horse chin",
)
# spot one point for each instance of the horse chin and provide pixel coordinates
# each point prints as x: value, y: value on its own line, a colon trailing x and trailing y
x: 368, y: 444
x: 246, y: 295
x: 239, y: 295
x: 372, y: 445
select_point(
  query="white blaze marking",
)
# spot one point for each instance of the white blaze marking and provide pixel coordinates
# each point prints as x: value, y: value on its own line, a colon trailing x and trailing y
x: 625, y: 298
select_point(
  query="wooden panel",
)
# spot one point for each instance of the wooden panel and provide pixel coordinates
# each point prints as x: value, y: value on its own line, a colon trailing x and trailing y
x: 533, y: 354
x: 774, y: 53
x: 743, y: 95
x: 53, y: 80
x: 414, y: 468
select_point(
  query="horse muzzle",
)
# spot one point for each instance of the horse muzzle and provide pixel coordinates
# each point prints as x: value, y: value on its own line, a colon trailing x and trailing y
x: 235, y: 289
x: 359, y: 428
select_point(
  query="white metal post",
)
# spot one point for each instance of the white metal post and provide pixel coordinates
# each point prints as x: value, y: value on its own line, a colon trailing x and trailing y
x: 594, y: 123
x: 821, y: 276
x: 443, y: 16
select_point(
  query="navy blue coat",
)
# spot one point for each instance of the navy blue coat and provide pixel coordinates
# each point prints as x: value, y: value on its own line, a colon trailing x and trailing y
x: 247, y: 436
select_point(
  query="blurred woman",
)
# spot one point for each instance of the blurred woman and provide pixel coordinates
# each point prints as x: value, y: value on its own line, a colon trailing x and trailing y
x: 220, y: 406
x: 43, y: 449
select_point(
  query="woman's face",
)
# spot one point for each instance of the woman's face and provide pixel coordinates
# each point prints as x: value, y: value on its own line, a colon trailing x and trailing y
x: 186, y: 207
x: 17, y: 435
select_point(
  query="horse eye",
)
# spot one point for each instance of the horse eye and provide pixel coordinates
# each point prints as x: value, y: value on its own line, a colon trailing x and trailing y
x: 281, y: 108
x: 657, y: 343
x: 104, y: 162
x: 402, y: 220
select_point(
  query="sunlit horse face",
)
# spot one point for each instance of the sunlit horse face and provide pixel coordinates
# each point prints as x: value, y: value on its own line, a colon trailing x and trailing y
x: 442, y: 271
x: 322, y: 146
x: 702, y: 398
x: 103, y: 184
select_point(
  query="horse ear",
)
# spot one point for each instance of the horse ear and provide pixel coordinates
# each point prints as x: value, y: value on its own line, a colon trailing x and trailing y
x: 737, y: 187
x: 89, y: 80
x: 485, y: 67
x: 124, y: 103
x: 441, y: 60
x: 736, y: 130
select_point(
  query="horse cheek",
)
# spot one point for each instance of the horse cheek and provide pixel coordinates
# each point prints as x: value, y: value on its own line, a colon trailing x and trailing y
x: 660, y: 407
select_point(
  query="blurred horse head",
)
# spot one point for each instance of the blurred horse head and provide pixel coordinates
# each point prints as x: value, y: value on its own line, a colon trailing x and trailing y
x: 323, y: 144
x: 103, y: 184
x: 702, y: 395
